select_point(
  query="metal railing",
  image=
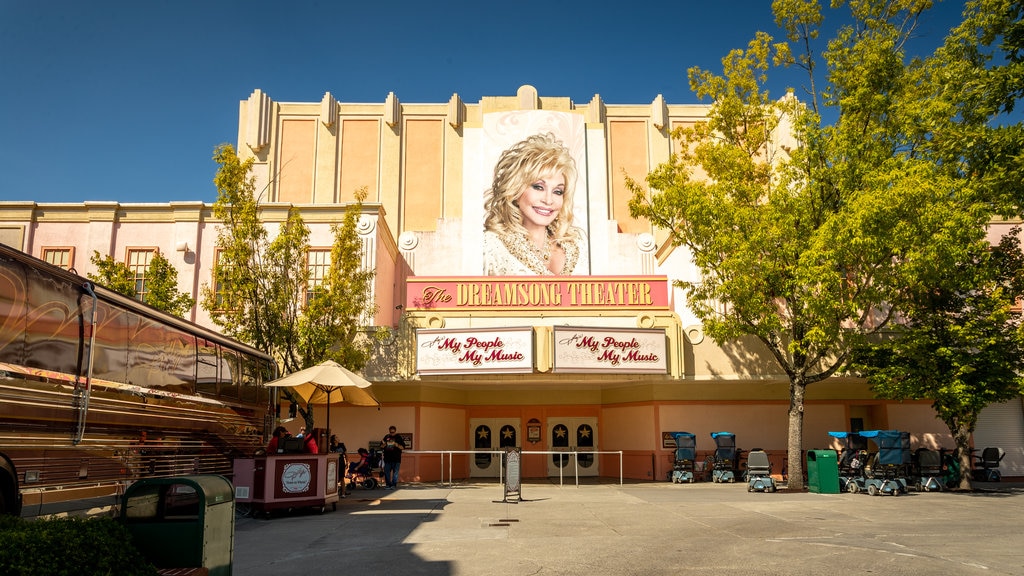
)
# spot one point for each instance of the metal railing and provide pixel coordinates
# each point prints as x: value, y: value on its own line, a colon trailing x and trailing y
x: 501, y: 473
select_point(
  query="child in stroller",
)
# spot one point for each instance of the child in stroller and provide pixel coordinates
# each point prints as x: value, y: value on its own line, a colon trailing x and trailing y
x: 361, y: 472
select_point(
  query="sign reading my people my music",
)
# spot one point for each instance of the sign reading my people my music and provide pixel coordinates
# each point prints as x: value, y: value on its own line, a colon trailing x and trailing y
x: 631, y: 350
x: 482, y: 351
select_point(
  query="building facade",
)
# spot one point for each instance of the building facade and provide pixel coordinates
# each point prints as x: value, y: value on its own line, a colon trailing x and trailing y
x: 578, y: 368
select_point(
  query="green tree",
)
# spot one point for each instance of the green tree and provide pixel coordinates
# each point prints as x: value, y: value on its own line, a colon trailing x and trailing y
x: 961, y: 345
x: 162, y: 288
x: 960, y: 339
x: 977, y: 78
x: 161, y: 283
x: 330, y: 328
x: 260, y: 283
x: 809, y: 235
x: 112, y: 274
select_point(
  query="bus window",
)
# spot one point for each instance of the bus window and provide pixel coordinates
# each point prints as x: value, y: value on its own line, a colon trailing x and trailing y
x: 161, y: 357
x: 207, y: 378
x: 230, y: 374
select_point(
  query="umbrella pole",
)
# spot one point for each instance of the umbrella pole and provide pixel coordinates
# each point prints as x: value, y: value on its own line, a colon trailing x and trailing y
x: 326, y: 440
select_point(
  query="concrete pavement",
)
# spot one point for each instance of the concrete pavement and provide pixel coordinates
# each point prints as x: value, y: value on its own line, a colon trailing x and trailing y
x: 602, y: 527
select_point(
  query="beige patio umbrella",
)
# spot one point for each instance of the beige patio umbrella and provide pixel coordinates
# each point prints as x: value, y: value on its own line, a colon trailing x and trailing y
x: 328, y: 383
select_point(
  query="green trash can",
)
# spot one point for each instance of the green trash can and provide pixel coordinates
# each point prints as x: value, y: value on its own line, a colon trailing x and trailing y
x: 823, y: 471
x: 183, y: 522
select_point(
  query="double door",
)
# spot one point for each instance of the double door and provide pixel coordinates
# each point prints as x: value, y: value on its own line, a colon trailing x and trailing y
x: 488, y: 435
x: 575, y: 440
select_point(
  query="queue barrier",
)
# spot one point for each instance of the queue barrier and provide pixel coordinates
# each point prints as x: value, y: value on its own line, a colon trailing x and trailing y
x: 575, y: 454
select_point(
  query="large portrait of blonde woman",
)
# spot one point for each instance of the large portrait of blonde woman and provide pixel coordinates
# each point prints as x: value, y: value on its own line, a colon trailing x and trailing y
x: 529, y: 225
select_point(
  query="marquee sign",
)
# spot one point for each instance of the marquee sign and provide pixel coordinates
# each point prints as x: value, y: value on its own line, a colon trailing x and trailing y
x: 606, y: 350
x: 482, y: 351
x: 537, y: 293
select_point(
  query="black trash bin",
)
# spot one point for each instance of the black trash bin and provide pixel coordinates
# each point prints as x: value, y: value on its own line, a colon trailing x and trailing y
x: 823, y: 471
x: 183, y: 522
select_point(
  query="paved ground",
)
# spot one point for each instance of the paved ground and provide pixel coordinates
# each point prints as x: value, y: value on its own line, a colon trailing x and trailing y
x: 640, y: 528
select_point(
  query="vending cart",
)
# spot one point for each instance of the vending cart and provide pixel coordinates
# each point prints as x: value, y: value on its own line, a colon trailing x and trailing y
x: 286, y: 482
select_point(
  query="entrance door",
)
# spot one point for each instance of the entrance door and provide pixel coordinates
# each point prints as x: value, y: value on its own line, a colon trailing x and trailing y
x: 486, y: 435
x: 572, y: 435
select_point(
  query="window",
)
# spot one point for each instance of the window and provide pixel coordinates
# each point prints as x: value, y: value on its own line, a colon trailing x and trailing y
x: 63, y: 257
x: 318, y: 263
x: 221, y: 270
x: 138, y: 262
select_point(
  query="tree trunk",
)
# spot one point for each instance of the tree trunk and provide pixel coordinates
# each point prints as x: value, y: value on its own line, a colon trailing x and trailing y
x: 794, y: 458
x: 962, y: 438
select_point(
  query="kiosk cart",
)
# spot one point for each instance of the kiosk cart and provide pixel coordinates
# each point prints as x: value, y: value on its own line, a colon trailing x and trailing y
x: 287, y: 482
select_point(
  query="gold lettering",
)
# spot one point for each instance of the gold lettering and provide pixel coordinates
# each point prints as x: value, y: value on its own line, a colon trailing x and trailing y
x: 540, y: 294
x: 573, y: 288
x: 475, y: 298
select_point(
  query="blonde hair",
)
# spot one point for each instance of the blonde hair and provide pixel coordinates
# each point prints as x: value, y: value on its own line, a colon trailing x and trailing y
x: 519, y: 166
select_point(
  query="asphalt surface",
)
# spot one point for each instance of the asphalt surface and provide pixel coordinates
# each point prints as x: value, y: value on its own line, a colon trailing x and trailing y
x: 602, y: 527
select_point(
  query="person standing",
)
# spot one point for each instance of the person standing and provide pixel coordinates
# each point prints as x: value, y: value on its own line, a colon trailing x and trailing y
x: 392, y: 446
x: 339, y: 449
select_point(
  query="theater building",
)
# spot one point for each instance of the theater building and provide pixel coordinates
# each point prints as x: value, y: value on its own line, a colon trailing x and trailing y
x: 608, y: 360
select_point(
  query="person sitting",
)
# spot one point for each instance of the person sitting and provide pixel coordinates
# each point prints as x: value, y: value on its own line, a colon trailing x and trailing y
x: 336, y: 446
x: 360, y: 467
x: 275, y: 439
x: 310, y: 444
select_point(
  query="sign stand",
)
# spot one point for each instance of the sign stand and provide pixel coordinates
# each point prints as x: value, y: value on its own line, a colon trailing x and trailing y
x: 513, y: 485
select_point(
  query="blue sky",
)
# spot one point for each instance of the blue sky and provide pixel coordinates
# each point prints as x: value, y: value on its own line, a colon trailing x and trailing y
x: 126, y: 100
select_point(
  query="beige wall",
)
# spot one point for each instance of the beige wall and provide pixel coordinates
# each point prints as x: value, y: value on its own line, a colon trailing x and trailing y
x: 626, y: 427
x: 295, y: 176
x: 360, y: 159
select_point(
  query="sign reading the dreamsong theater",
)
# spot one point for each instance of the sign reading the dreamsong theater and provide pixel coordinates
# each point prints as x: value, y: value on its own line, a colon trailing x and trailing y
x: 537, y: 293
x: 627, y: 350
x: 482, y: 351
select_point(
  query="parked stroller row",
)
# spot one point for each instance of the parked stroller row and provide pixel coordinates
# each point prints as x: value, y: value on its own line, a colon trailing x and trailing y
x: 893, y: 468
x: 722, y: 465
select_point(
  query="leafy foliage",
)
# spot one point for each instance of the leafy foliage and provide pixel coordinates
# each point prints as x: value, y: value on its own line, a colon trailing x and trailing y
x: 330, y: 327
x: 161, y: 282
x: 961, y: 345
x: 260, y: 282
x: 113, y: 275
x: 69, y: 547
x: 162, y: 288
x: 811, y: 234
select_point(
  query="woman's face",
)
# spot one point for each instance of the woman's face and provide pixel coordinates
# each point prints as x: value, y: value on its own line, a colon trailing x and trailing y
x: 541, y: 200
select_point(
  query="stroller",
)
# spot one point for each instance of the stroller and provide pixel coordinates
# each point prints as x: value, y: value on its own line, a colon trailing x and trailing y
x: 852, y: 457
x: 759, y: 472
x: 723, y: 463
x: 886, y: 470
x: 686, y: 452
x: 928, y: 470
x: 365, y: 471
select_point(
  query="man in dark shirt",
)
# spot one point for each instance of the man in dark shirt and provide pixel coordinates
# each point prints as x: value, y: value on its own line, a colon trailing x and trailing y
x: 392, y: 446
